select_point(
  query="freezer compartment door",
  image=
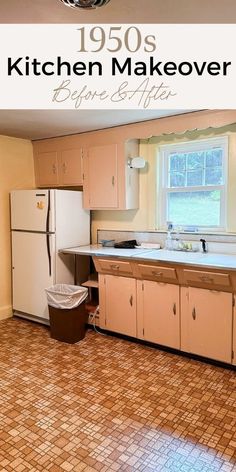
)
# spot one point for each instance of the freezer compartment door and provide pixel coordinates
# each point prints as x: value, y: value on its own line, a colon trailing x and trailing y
x: 33, y: 210
x: 33, y: 269
x: 72, y: 221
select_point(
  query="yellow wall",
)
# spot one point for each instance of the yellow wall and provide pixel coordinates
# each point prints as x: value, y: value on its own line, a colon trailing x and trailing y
x: 146, y: 217
x: 16, y: 171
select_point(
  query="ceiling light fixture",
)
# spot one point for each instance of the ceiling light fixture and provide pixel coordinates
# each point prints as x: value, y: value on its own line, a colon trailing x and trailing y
x: 85, y: 4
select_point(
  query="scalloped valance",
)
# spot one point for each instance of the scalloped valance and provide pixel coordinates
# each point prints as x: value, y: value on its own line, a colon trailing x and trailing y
x: 180, y: 124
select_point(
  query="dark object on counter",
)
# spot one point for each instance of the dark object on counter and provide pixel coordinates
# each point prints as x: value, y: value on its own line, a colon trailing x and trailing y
x: 126, y: 244
x: 68, y: 325
x: 107, y: 242
x: 203, y: 241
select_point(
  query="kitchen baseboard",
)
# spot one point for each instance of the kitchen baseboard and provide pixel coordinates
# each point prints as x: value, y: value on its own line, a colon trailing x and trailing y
x: 5, y: 312
x: 167, y: 349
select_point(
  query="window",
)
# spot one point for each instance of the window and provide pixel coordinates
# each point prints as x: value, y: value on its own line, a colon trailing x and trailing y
x: 193, y: 182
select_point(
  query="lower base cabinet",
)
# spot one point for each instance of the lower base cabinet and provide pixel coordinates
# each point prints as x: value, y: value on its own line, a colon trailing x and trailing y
x: 158, y: 313
x: 118, y: 307
x: 194, y: 320
x: 234, y: 335
x: 207, y: 318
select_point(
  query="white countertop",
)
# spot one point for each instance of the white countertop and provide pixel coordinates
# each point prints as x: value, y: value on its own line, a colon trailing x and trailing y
x: 216, y: 260
x: 99, y: 250
x: 213, y: 260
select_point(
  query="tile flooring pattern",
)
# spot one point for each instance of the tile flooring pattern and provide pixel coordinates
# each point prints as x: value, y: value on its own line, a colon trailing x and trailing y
x: 107, y: 404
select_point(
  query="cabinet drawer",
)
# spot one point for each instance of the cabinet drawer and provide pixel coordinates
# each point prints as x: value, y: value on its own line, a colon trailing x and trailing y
x: 114, y: 266
x: 152, y: 272
x: 206, y: 278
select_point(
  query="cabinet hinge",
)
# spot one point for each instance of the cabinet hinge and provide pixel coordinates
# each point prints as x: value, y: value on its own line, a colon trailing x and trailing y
x: 143, y: 331
x: 232, y: 354
x: 142, y: 286
x: 83, y: 176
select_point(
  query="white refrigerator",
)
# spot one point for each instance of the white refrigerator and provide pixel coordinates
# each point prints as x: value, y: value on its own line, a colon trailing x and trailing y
x: 42, y: 223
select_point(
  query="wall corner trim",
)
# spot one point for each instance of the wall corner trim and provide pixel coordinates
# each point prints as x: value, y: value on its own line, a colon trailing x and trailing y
x: 6, y: 312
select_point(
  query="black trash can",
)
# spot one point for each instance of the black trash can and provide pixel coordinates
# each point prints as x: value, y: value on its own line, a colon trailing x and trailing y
x: 67, y: 314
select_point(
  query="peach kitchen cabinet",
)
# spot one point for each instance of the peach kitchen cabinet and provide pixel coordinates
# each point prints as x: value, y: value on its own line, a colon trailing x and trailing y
x: 158, y: 313
x: 206, y: 323
x: 234, y: 334
x: 58, y: 163
x: 117, y: 301
x: 109, y: 182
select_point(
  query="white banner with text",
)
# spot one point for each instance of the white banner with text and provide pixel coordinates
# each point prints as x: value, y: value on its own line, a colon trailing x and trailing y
x: 145, y: 66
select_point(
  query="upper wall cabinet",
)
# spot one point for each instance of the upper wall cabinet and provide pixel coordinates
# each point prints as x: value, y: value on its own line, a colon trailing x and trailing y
x: 58, y: 163
x: 101, y: 168
x: 46, y: 168
x: 99, y: 161
x: 109, y: 182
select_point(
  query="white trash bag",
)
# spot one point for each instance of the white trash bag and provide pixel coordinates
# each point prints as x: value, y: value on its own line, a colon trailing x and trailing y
x: 66, y: 296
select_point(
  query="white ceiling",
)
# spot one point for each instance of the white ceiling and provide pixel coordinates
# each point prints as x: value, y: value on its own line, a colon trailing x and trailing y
x: 38, y: 124
x: 120, y: 11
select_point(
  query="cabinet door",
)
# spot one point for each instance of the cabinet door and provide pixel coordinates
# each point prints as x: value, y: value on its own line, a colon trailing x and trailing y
x: 47, y: 169
x: 210, y: 324
x: 234, y: 335
x: 102, y: 176
x: 120, y: 305
x: 70, y: 167
x: 161, y: 321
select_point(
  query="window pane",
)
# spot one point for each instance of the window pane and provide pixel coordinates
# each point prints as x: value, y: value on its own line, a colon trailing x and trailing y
x: 214, y: 176
x: 214, y: 157
x: 194, y: 208
x: 177, y: 162
x: 194, y: 178
x: 195, y: 160
x: 177, y: 179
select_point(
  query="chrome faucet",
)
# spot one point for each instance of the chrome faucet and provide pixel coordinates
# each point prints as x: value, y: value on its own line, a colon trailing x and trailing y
x: 204, y: 245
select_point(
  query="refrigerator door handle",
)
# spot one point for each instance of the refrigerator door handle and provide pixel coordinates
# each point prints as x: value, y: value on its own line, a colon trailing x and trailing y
x: 49, y: 254
x: 48, y: 212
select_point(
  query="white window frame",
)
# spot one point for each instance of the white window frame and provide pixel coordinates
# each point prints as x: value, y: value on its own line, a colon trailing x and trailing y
x: 164, y: 190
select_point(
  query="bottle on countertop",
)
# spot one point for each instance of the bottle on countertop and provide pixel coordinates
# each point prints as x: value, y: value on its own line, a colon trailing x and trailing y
x: 169, y: 241
x: 177, y: 243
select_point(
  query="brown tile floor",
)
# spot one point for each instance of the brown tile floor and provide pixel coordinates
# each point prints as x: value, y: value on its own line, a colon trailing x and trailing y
x: 106, y: 404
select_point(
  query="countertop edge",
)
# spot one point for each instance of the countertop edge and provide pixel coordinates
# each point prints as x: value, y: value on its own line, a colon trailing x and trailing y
x: 141, y: 257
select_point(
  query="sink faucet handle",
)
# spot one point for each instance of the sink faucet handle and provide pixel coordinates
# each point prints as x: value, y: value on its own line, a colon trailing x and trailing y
x: 204, y: 245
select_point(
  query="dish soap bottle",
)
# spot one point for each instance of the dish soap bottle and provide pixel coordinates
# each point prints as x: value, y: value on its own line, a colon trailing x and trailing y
x: 169, y: 242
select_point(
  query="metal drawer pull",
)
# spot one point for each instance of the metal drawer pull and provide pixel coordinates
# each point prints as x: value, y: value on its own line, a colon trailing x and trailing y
x: 114, y: 267
x: 194, y: 315
x: 131, y: 300
x: 206, y: 278
x: 157, y: 274
x: 64, y: 167
x: 54, y: 168
x: 174, y: 308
